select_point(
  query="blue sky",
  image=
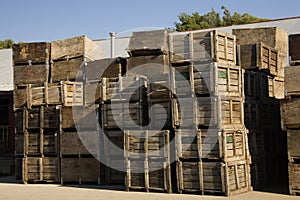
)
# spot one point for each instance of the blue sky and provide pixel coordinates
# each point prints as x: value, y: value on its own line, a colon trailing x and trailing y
x: 40, y: 20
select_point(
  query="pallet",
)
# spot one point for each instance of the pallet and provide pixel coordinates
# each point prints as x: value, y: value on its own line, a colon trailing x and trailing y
x: 212, y: 46
x: 259, y: 56
x: 207, y: 79
x: 214, y: 177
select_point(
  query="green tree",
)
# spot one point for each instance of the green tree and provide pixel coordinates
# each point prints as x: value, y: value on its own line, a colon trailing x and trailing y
x: 213, y: 19
x: 6, y: 44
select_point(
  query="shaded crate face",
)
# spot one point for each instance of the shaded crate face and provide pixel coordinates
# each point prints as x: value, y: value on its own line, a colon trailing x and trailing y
x: 33, y: 118
x: 258, y: 174
x: 38, y: 52
x: 160, y: 114
x: 136, y: 179
x: 31, y: 74
x: 93, y: 93
x: 70, y: 69
x: 113, y: 140
x: 252, y: 114
x: 20, y: 97
x: 187, y: 144
x: 250, y: 84
x: 256, y: 144
x: 183, y: 112
x: 292, y: 74
x: 206, y: 111
x: 20, y: 121
x: 159, y: 87
x: 114, y: 176
x: 51, y: 117
x: 293, y: 139
x: 294, y: 41
x: 294, y: 176
x: 290, y: 112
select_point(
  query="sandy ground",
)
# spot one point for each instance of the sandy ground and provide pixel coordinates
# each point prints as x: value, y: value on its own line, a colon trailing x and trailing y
x: 15, y: 191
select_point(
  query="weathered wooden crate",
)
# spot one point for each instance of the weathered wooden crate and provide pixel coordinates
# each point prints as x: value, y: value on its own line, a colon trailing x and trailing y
x: 271, y: 36
x: 31, y: 74
x: 258, y: 174
x: 36, y: 169
x: 71, y: 143
x: 294, y: 42
x: 149, y: 175
x: 160, y: 114
x: 70, y: 69
x: 213, y: 144
x: 270, y: 114
x: 129, y: 88
x: 80, y: 118
x: 252, y: 113
x: 205, y: 79
x: 108, y: 68
x: 93, y: 93
x: 34, y: 53
x: 292, y: 74
x: 148, y: 144
x: 73, y: 47
x: 148, y: 43
x: 42, y: 143
x: 213, y: 177
x: 19, y: 121
x: 148, y: 65
x: 251, y: 84
x: 113, y: 152
x: 72, y: 93
x: 259, y: 56
x: 294, y: 178
x: 158, y: 87
x: 270, y: 86
x: 293, y: 143
x: 123, y: 115
x: 20, y: 97
x: 256, y: 143
x: 211, y: 46
x: 80, y: 170
x: 290, y: 113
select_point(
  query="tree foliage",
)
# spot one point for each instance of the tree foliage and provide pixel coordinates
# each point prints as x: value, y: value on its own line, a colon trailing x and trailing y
x: 6, y: 44
x: 213, y: 19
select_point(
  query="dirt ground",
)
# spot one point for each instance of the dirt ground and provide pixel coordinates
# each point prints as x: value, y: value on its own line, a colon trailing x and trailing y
x: 14, y: 191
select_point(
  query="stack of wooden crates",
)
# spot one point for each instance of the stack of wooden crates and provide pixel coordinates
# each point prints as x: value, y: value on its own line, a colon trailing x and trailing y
x: 290, y: 114
x: 263, y: 55
x: 48, y: 85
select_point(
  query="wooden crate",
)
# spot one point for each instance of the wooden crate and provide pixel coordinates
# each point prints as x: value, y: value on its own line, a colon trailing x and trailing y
x: 80, y: 170
x: 258, y: 174
x: 160, y: 114
x: 43, y: 117
x: 113, y: 152
x: 70, y: 69
x: 40, y: 169
x: 151, y: 144
x: 35, y: 52
x: 290, y: 113
x: 123, y: 115
x: 204, y: 79
x: 73, y: 47
x: 80, y: 118
x: 213, y: 144
x: 291, y: 81
x: 158, y: 87
x: 148, y: 43
x: 252, y: 113
x: 129, y: 88
x: 93, y: 93
x: 19, y: 121
x: 294, y: 177
x: 108, y: 68
x: 31, y: 74
x: 270, y: 114
x: 259, y: 56
x: 256, y: 143
x: 42, y: 143
x: 148, y: 65
x: 294, y: 42
x: 72, y: 94
x: 20, y: 97
x: 74, y: 143
x: 293, y: 142
x: 149, y: 175
x: 213, y: 177
x: 271, y: 36
x: 212, y: 46
x: 251, y: 84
